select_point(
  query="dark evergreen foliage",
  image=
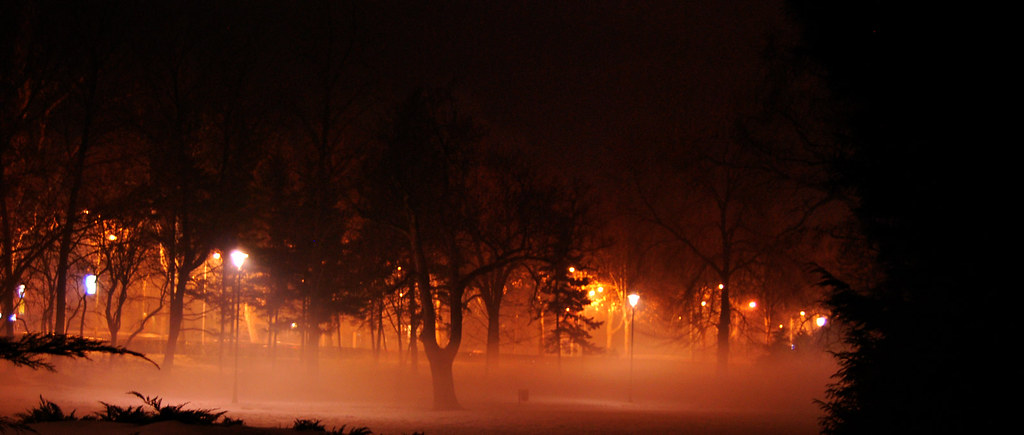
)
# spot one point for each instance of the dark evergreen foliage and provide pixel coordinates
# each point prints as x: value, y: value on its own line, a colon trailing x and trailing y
x: 919, y: 156
x: 566, y: 299
x: 29, y: 350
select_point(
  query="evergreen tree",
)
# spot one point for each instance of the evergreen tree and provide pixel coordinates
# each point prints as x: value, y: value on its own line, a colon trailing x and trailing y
x: 566, y: 299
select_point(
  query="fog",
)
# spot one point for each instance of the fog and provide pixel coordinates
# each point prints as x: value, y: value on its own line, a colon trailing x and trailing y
x: 523, y: 394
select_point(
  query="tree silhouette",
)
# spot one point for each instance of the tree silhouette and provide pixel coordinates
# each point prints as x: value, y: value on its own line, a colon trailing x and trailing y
x: 905, y: 92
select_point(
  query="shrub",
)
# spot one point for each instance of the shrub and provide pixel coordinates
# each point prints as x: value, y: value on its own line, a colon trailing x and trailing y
x: 305, y: 424
x: 45, y: 411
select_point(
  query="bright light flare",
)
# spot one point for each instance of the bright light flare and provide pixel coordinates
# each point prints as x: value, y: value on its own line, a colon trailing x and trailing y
x: 238, y: 258
x: 820, y: 321
x: 752, y: 304
x: 633, y: 299
x: 90, y: 284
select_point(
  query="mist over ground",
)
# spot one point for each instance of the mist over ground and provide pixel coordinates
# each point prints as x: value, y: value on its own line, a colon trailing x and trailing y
x: 524, y: 394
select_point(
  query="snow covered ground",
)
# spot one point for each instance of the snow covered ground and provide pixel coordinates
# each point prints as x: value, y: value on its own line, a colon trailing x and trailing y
x: 579, y: 396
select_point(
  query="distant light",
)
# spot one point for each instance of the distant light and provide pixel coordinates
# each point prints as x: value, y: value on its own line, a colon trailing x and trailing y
x: 21, y: 290
x: 112, y: 237
x: 752, y: 304
x: 803, y: 313
x: 238, y: 258
x: 600, y: 289
x: 633, y: 299
x: 820, y: 321
x: 216, y: 255
x: 592, y: 293
x: 13, y: 317
x: 295, y: 325
x: 721, y: 286
x: 90, y: 284
x: 572, y: 269
x: 780, y: 326
x: 703, y: 303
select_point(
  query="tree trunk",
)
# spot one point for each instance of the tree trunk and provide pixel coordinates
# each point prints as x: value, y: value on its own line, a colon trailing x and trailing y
x: 175, y: 316
x: 724, y: 328
x: 440, y: 358
x: 443, y: 380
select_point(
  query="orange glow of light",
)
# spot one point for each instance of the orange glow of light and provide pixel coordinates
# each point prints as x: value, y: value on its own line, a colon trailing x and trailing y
x: 111, y: 237
x: 752, y: 304
x: 820, y: 321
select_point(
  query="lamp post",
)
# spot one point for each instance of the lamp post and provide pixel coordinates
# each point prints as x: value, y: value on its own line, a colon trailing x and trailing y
x: 633, y: 299
x: 237, y: 258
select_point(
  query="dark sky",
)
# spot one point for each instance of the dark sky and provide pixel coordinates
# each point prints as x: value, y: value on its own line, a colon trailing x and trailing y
x: 584, y: 80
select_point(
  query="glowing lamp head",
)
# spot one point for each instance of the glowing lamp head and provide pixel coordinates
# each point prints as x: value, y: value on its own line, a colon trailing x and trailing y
x: 820, y: 321
x: 633, y: 299
x: 238, y: 258
x: 90, y: 284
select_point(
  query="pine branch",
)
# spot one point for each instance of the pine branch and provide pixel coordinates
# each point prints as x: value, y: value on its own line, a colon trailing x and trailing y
x: 31, y: 349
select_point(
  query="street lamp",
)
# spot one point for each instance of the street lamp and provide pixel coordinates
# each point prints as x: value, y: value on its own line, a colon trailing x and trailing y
x: 633, y: 299
x: 237, y: 258
x: 90, y: 290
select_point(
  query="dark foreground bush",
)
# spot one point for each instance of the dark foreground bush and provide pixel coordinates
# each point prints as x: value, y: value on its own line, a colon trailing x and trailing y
x: 302, y: 424
x: 152, y: 411
x: 45, y: 411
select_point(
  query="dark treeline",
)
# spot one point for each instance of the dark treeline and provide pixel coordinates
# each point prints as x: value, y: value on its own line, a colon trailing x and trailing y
x: 914, y: 107
x: 137, y: 139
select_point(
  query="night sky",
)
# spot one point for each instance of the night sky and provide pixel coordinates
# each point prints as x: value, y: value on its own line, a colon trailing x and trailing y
x: 582, y: 81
